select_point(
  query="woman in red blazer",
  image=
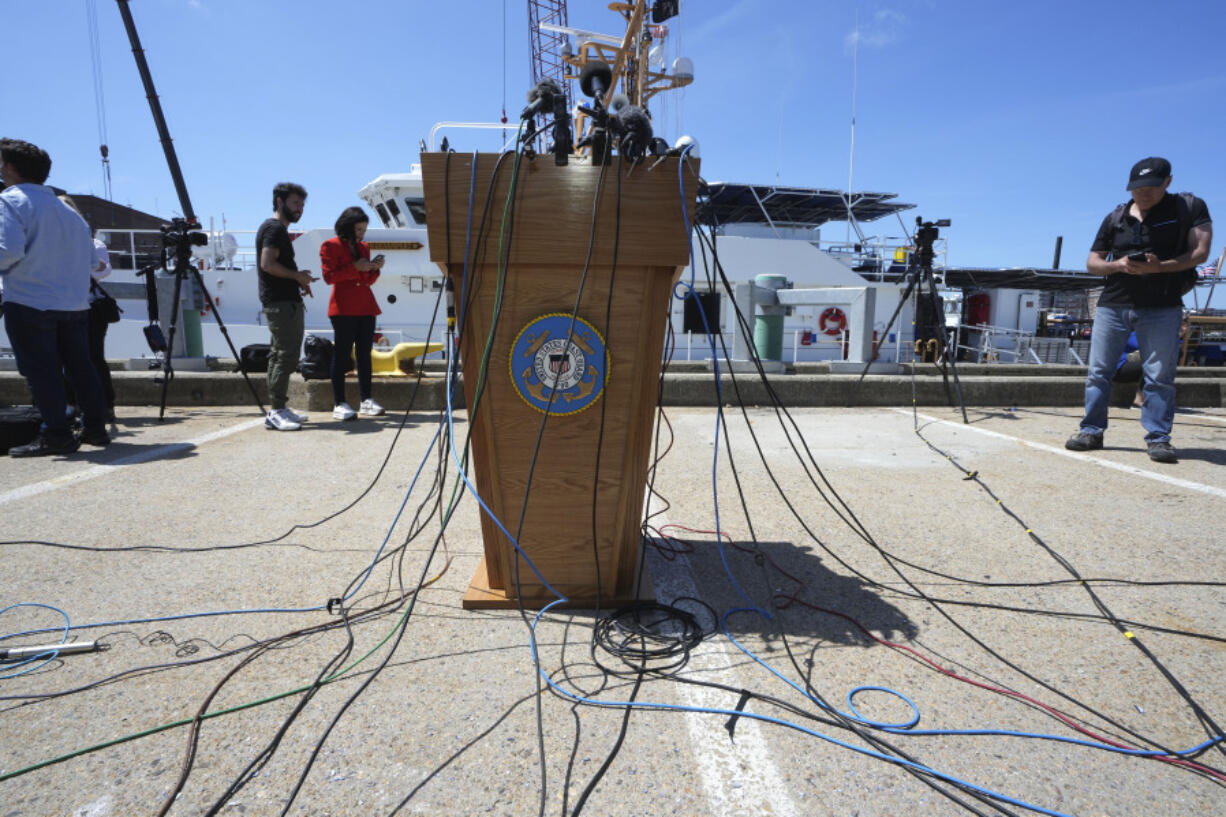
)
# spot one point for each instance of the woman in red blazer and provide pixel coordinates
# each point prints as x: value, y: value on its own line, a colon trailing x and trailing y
x: 346, y: 264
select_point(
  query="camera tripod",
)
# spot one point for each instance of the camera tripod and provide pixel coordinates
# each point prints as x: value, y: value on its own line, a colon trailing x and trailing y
x: 179, y: 237
x: 922, y: 288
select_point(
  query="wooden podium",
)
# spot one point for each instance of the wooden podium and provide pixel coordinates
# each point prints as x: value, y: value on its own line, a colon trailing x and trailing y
x: 599, y: 383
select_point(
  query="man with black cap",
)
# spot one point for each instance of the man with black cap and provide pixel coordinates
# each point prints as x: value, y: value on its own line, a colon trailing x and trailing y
x: 1148, y: 249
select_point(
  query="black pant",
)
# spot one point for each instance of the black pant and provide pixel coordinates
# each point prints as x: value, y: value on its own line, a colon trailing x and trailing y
x: 351, y: 331
x: 97, y: 356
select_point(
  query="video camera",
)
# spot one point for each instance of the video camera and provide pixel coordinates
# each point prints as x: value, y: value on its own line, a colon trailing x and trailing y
x: 183, y: 233
x: 926, y: 233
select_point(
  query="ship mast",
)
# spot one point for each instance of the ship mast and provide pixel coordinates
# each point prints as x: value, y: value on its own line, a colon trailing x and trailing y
x: 628, y: 56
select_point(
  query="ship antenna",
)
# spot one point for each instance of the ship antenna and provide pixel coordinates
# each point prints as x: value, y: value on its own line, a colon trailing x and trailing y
x: 851, y: 162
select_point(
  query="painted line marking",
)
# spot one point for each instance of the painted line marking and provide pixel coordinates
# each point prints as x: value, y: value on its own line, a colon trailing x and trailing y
x: 1217, y: 418
x: 93, y: 471
x: 1082, y: 457
x: 737, y: 779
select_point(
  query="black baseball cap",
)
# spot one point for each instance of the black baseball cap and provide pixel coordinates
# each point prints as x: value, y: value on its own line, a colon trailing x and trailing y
x: 1151, y: 172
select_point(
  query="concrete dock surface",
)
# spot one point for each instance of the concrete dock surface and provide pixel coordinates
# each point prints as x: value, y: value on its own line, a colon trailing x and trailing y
x: 978, y: 576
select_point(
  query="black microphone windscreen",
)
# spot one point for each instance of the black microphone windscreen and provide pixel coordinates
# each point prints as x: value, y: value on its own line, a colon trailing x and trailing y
x: 541, y: 97
x: 546, y: 89
x: 634, y: 120
x: 595, y: 77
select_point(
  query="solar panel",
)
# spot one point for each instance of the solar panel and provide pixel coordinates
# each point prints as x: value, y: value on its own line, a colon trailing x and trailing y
x: 731, y: 203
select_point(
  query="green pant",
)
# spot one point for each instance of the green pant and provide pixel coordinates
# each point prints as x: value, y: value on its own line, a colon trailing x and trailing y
x: 285, y: 325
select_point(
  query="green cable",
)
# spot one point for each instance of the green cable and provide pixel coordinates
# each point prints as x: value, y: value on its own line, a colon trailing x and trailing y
x: 339, y: 673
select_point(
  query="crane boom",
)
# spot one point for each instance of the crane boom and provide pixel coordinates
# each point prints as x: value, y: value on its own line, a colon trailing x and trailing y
x: 546, y: 43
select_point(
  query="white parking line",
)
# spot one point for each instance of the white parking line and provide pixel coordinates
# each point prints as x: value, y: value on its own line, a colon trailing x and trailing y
x: 1217, y: 418
x: 160, y: 451
x: 1081, y: 457
x: 737, y: 778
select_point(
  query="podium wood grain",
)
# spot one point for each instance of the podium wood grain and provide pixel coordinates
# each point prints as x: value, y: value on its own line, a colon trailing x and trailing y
x: 581, y: 523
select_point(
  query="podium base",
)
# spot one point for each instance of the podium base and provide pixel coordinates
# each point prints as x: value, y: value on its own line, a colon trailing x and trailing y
x: 481, y: 596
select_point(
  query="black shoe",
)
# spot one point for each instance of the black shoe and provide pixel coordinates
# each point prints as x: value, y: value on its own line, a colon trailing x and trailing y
x: 44, y: 446
x: 97, y: 436
x: 1162, y: 452
x: 1081, y: 441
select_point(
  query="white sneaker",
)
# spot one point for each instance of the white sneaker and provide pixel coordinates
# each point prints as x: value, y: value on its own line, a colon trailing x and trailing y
x: 296, y: 417
x: 343, y: 412
x: 370, y: 408
x: 279, y: 420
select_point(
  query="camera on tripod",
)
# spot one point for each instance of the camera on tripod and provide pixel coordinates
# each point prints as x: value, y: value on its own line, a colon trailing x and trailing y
x: 182, y: 233
x: 926, y: 232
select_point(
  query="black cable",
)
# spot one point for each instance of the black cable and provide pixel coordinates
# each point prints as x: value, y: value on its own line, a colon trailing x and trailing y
x: 1212, y: 729
x: 858, y: 527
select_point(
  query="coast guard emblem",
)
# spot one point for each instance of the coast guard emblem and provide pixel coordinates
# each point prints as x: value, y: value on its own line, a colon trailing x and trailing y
x: 558, y: 365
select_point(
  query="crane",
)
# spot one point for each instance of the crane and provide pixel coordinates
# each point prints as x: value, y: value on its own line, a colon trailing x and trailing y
x: 547, y: 43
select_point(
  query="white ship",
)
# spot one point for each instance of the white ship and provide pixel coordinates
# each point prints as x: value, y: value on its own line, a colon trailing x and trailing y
x: 762, y: 230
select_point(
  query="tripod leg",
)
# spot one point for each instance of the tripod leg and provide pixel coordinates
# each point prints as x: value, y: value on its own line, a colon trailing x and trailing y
x: 168, y: 372
x: 208, y: 299
x: 947, y: 359
x: 886, y: 332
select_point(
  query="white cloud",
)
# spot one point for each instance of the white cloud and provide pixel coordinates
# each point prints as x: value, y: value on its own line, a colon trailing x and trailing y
x: 885, y: 28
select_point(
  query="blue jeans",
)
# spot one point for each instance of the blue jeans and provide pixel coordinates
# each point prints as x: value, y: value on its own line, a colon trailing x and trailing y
x: 1158, y: 339
x: 48, y: 343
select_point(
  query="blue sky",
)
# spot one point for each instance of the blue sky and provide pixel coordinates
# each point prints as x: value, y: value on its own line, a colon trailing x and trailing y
x: 1018, y: 121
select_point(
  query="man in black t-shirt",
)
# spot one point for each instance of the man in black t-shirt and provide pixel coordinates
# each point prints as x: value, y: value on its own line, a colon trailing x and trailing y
x: 282, y: 286
x: 1146, y: 248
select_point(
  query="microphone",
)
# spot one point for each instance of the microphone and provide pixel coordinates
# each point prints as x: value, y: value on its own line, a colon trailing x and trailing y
x: 634, y: 126
x: 562, y: 147
x: 540, y: 98
x: 595, y: 78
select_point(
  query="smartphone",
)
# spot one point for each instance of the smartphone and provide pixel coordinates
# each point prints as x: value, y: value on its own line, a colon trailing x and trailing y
x: 1136, y: 256
x: 379, y: 257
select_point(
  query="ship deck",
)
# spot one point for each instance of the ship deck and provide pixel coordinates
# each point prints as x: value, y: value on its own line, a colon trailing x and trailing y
x: 1082, y: 581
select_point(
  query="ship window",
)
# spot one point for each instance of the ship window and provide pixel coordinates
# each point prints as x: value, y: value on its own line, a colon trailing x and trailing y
x: 417, y: 284
x: 394, y: 209
x: 382, y: 211
x: 417, y: 209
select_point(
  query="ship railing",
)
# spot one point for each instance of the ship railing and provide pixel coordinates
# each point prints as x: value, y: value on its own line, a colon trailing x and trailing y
x: 875, y: 256
x: 137, y: 249
x: 984, y: 343
x: 807, y: 346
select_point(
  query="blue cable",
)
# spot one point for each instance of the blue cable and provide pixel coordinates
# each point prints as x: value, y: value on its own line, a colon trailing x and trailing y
x: 777, y: 721
x: 719, y: 392
x: 533, y: 644
x: 905, y: 727
x: 51, y: 654
x: 450, y: 417
x: 207, y: 614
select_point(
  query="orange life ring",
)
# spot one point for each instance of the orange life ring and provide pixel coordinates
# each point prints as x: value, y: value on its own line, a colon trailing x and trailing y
x: 833, y: 321
x: 381, y: 342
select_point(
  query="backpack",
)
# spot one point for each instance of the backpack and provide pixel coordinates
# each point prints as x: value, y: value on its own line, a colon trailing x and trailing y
x: 1183, y: 213
x: 316, y: 363
x: 254, y: 358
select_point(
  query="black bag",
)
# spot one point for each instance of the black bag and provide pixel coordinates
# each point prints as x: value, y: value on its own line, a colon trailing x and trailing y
x: 105, y: 307
x: 155, y: 338
x: 316, y: 363
x: 18, y: 426
x: 253, y: 358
